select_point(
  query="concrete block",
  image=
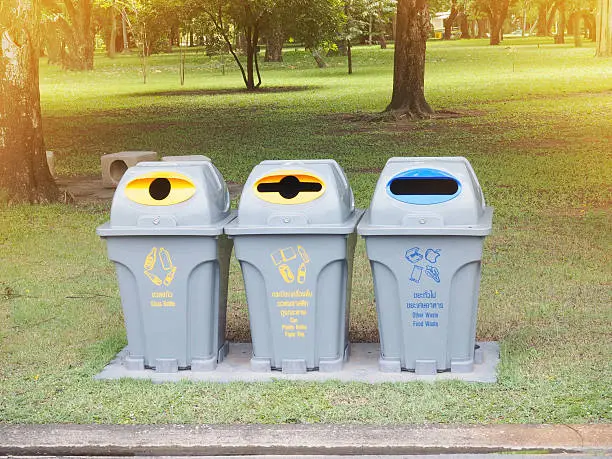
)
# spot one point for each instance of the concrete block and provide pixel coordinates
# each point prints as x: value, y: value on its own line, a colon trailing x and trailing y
x: 114, y: 165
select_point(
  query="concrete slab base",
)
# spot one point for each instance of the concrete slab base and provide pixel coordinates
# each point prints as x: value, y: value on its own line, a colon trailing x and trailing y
x: 363, y: 366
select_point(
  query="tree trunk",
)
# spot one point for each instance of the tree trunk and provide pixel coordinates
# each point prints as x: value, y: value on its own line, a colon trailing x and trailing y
x: 383, y: 41
x: 448, y: 22
x: 560, y: 37
x: 589, y: 25
x: 126, y: 44
x: 497, y: 16
x: 382, y: 27
x: 576, y: 29
x: 318, y: 58
x: 24, y: 174
x: 112, y: 46
x: 250, y: 67
x: 53, y: 42
x: 604, y: 29
x: 413, y: 25
x: 78, y: 34
x: 349, y: 55
x: 464, y: 25
x: 274, y: 45
x: 542, y: 20
x: 394, y: 26
x: 481, y: 24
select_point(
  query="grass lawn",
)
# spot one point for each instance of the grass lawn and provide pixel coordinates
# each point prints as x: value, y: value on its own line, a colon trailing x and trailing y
x: 536, y: 124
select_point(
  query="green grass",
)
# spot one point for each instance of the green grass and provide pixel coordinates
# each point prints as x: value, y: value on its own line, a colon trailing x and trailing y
x: 535, y: 125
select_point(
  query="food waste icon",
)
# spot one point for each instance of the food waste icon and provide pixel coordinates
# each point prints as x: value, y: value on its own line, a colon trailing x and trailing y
x: 168, y: 270
x: 414, y: 255
x: 285, y: 258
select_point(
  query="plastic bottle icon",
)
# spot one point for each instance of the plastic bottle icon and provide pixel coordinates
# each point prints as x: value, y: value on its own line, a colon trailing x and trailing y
x: 302, y: 274
x: 166, y: 261
x: 303, y: 255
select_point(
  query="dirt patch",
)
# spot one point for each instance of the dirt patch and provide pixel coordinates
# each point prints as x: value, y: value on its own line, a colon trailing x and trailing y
x: 381, y: 122
x: 89, y: 189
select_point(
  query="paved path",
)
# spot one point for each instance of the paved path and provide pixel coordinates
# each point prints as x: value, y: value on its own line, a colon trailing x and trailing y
x: 296, y: 440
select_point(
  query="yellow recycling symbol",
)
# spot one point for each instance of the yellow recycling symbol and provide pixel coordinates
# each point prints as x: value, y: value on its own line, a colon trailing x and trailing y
x: 282, y: 256
x: 166, y: 263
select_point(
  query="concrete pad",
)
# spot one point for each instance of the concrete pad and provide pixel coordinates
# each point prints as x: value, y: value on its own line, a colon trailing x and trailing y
x: 362, y: 366
x: 289, y: 440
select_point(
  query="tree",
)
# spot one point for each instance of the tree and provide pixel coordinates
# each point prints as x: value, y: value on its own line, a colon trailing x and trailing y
x: 76, y: 27
x: 24, y: 174
x: 497, y: 12
x: 413, y: 26
x: 604, y: 28
x: 248, y: 16
x: 315, y: 23
x: 450, y: 20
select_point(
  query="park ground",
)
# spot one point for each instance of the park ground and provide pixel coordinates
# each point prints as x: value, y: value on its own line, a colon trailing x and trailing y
x: 535, y: 121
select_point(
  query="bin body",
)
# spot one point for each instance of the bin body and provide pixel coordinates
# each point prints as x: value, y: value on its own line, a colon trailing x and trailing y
x: 296, y: 260
x: 424, y: 236
x: 172, y: 264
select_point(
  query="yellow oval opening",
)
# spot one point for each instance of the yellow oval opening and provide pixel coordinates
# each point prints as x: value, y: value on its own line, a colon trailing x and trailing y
x: 289, y: 187
x: 160, y: 189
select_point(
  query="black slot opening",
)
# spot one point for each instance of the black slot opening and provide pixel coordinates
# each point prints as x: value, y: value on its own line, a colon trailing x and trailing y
x: 159, y: 188
x: 424, y: 186
x: 289, y: 187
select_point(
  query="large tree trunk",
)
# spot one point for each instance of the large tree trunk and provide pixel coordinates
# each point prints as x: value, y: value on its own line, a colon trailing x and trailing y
x: 274, y: 44
x: 482, y: 27
x: 542, y: 20
x: 112, y: 42
x: 124, y: 33
x: 53, y: 42
x: 409, y: 60
x: 498, y: 15
x: 560, y: 37
x: 464, y: 25
x: 448, y: 22
x: 24, y: 174
x: 575, y: 24
x: 604, y: 29
x: 78, y: 34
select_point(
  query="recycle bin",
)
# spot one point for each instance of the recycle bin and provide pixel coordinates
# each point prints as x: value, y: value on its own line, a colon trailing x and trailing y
x: 424, y: 233
x: 295, y: 240
x: 165, y: 237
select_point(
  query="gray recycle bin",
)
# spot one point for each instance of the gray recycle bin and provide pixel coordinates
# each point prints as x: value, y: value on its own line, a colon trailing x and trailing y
x: 424, y: 233
x: 295, y: 240
x: 166, y: 239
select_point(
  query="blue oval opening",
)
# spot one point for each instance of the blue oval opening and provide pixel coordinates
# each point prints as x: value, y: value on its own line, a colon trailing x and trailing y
x: 423, y: 186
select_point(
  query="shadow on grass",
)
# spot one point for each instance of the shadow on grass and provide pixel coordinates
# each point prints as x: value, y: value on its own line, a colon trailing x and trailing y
x: 220, y: 92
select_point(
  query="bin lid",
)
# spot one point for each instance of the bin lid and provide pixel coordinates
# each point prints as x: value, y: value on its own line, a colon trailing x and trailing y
x: 427, y: 196
x: 296, y: 197
x: 169, y: 198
